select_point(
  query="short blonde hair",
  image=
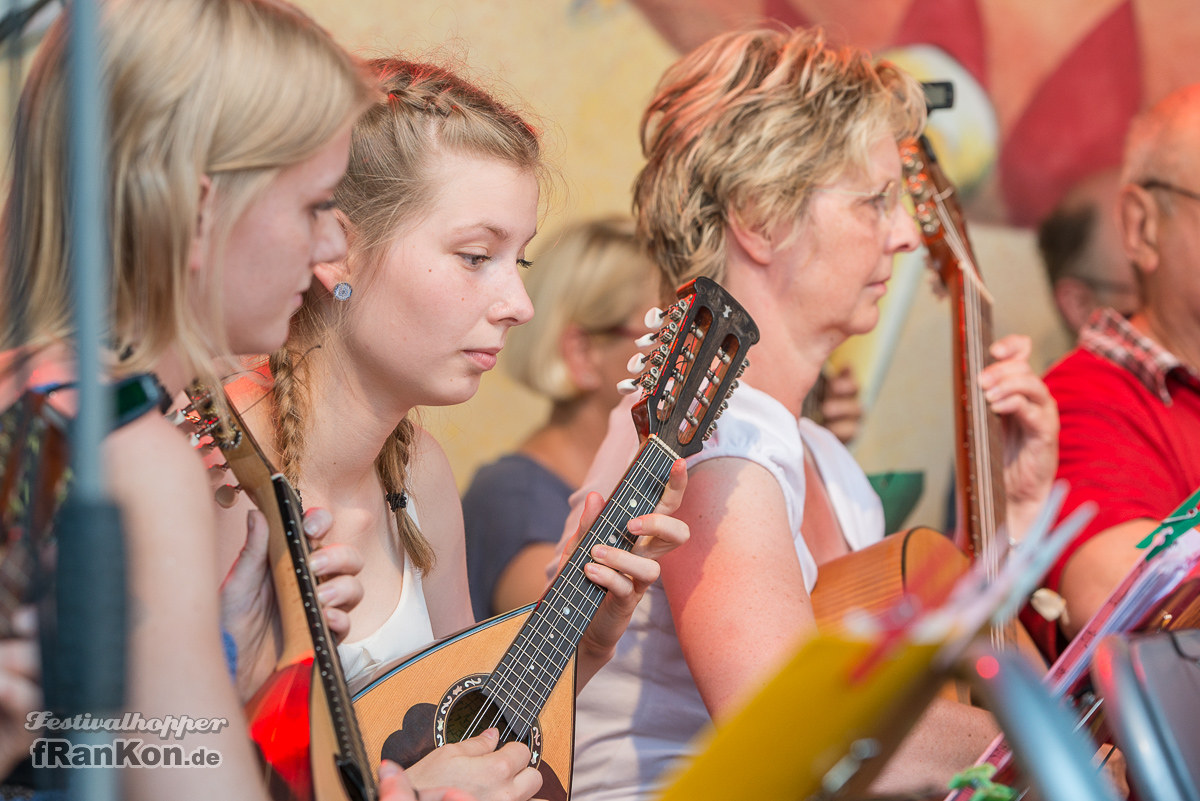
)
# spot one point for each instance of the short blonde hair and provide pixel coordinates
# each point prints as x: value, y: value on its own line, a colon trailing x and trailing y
x: 593, y: 277
x: 233, y: 89
x: 424, y: 110
x: 748, y: 124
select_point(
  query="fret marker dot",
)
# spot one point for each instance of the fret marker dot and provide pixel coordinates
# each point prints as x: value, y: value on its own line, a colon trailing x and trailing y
x: 612, y: 538
x: 566, y: 610
x: 632, y: 502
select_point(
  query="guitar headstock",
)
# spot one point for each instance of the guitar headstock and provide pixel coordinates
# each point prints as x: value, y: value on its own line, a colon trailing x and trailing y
x: 701, y: 351
x: 938, y: 212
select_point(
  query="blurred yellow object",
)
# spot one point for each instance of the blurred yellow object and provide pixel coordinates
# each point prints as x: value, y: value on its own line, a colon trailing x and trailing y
x: 828, y: 720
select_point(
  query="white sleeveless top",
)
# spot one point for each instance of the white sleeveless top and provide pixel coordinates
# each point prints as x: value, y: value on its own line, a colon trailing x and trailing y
x: 639, y: 714
x: 407, y: 629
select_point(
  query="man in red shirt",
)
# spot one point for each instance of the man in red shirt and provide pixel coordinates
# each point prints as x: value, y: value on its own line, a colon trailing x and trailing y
x: 1129, y: 394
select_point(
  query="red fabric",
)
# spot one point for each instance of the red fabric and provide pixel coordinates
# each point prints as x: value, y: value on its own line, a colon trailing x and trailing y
x: 1122, y: 447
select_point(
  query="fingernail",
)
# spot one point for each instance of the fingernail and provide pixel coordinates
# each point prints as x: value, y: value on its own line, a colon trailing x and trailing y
x: 324, y: 593
x: 599, y: 551
x: 634, y: 526
x: 492, y: 733
x: 388, y: 769
x: 317, y: 561
x: 310, y: 526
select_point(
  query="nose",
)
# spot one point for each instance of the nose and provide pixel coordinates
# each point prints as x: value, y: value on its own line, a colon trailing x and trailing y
x: 903, y: 235
x: 330, y: 240
x: 512, y: 305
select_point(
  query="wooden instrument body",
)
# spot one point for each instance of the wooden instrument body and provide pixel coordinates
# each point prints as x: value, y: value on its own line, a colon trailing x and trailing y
x: 398, y: 711
x: 920, y: 563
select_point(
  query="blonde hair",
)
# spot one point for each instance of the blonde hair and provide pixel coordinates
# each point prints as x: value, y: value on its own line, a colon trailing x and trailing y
x: 594, y: 277
x: 748, y: 124
x: 235, y: 90
x: 426, y: 110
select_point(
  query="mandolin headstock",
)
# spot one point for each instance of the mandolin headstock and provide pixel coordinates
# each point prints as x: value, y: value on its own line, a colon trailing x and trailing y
x: 937, y: 210
x: 701, y: 351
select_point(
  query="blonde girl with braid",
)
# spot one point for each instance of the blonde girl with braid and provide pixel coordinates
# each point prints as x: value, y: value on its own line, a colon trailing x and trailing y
x: 439, y: 203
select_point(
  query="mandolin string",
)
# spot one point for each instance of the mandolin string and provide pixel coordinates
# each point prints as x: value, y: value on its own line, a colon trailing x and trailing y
x: 973, y: 296
x: 980, y: 445
x: 526, y: 696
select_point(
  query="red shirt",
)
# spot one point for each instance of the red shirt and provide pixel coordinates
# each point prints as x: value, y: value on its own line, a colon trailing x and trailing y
x: 1130, y: 438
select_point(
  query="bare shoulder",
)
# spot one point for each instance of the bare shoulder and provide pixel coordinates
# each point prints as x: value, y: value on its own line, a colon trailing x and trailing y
x: 435, y: 496
x: 429, y: 467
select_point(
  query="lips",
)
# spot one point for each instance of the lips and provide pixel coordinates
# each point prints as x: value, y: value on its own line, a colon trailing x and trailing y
x: 485, y: 359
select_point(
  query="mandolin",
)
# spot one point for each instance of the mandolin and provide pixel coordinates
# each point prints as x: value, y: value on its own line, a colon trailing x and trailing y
x: 301, y: 719
x: 516, y: 671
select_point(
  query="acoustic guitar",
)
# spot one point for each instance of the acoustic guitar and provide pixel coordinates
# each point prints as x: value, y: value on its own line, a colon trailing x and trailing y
x: 917, y: 563
x: 516, y: 672
x: 301, y: 719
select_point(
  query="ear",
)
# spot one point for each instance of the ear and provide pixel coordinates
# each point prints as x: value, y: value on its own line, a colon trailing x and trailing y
x: 198, y: 254
x: 1138, y: 213
x: 330, y: 273
x: 1075, y: 301
x: 576, y: 347
x: 755, y: 241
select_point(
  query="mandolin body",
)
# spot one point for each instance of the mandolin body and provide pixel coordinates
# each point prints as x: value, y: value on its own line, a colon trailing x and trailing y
x: 408, y: 710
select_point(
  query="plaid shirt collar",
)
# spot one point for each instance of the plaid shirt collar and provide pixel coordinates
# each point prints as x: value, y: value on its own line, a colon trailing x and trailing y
x: 1110, y: 336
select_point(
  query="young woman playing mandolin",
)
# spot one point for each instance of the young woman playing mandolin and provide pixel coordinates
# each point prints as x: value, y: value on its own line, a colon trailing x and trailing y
x: 773, y: 168
x: 222, y: 170
x: 439, y: 204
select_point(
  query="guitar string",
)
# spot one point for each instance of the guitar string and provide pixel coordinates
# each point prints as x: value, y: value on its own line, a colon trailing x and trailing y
x: 981, y: 446
x: 526, y: 695
x: 988, y: 547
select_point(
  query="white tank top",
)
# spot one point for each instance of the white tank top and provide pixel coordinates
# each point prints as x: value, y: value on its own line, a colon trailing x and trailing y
x: 407, y: 629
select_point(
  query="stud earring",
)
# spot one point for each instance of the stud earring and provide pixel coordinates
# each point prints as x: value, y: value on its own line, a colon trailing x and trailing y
x: 342, y: 290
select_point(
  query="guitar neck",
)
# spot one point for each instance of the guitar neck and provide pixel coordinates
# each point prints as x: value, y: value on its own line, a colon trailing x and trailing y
x: 527, y: 673
x: 979, y: 457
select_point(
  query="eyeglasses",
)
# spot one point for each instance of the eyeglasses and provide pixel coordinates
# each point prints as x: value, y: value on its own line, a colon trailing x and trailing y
x: 885, y: 201
x: 1154, y: 183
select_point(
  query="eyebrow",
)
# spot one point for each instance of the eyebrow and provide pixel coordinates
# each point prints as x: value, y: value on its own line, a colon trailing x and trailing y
x: 498, y: 231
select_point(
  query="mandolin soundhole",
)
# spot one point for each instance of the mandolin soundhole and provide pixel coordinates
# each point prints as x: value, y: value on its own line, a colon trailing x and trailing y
x: 466, y: 711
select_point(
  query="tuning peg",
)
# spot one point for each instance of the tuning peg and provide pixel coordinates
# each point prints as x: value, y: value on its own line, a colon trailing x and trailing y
x: 226, y: 495
x: 636, y: 363
x: 218, y: 469
x: 659, y: 357
x: 627, y: 387
x: 646, y: 340
x: 654, y: 317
